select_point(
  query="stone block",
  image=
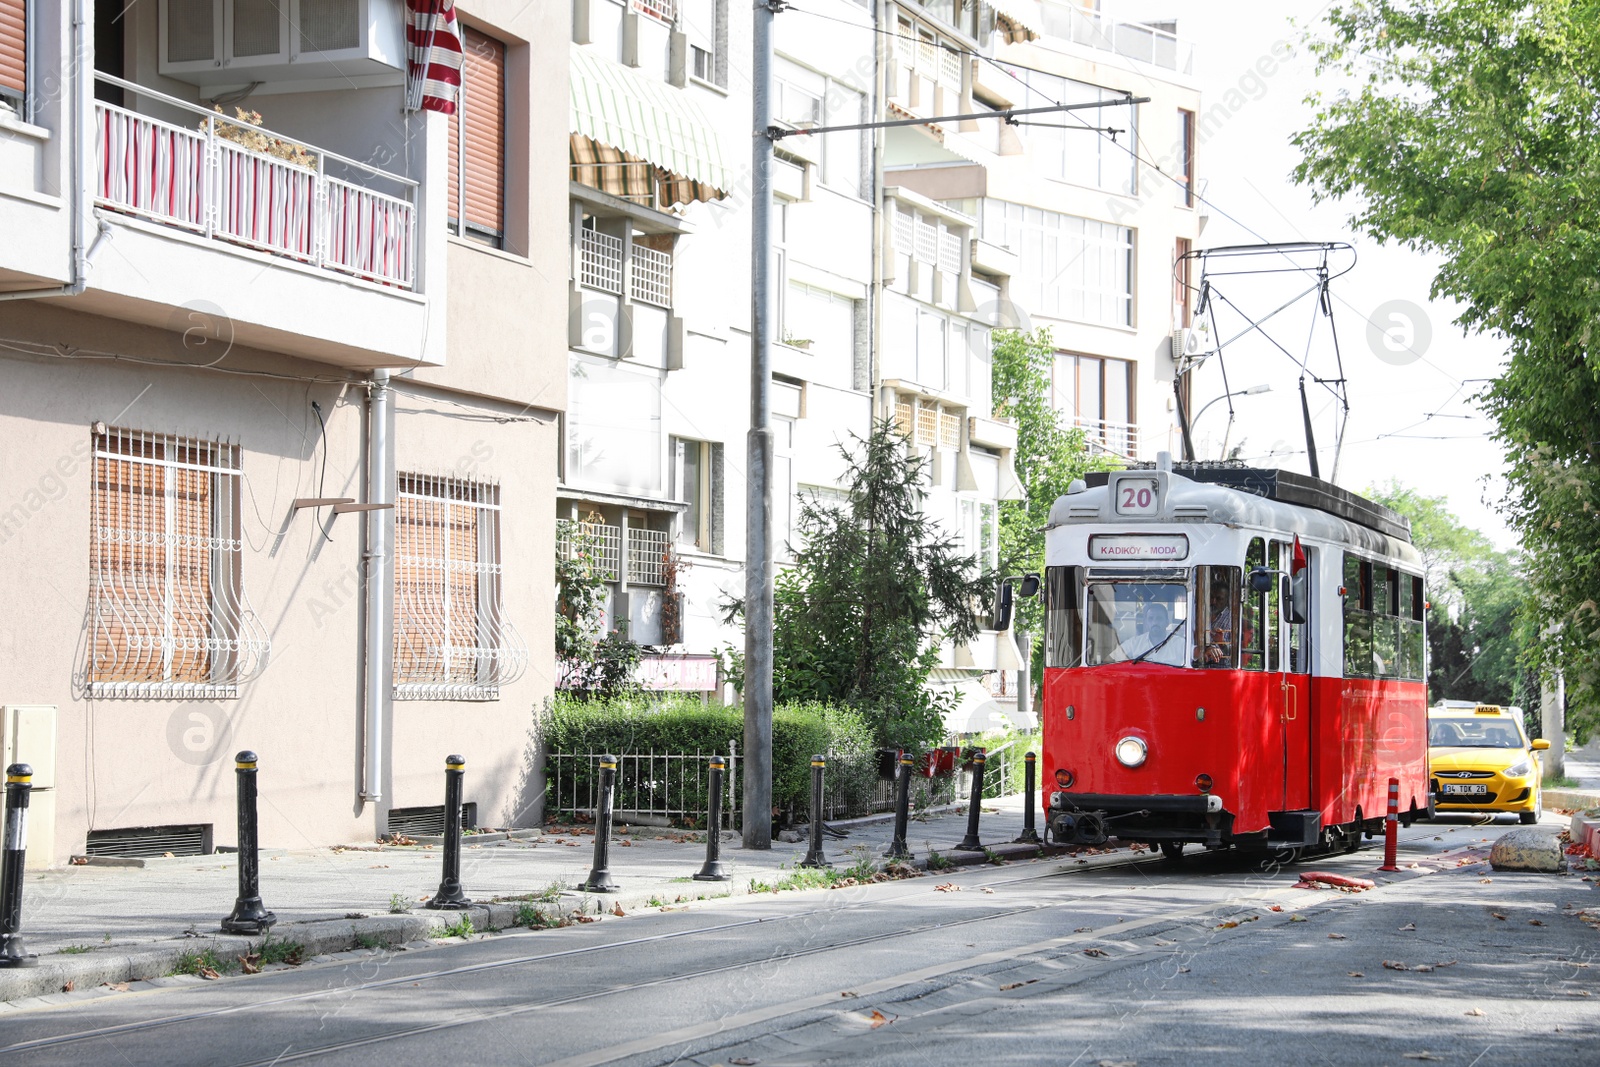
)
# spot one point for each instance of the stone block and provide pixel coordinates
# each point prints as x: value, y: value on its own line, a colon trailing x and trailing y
x: 1529, y: 849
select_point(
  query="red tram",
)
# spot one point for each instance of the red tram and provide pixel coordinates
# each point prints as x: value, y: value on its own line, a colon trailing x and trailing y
x: 1233, y: 656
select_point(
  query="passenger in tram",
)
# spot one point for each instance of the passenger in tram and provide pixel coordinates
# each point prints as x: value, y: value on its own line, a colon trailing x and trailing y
x: 1219, y: 636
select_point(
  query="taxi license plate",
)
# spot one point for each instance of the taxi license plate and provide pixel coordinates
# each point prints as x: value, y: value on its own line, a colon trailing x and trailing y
x: 1467, y: 790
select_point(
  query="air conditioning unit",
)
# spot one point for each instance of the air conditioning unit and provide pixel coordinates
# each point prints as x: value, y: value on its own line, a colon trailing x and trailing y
x: 1192, y: 343
x: 360, y: 43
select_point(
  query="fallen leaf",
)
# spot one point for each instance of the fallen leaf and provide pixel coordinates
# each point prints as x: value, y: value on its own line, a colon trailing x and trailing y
x: 1395, y: 965
x: 1337, y: 937
x: 1098, y: 953
x: 207, y: 973
x: 947, y: 887
x: 1297, y: 918
x: 879, y: 1018
x: 743, y: 1061
x: 120, y: 987
x: 1422, y: 1056
x: 1183, y: 970
x: 625, y: 844
x: 250, y: 963
x: 1277, y: 907
x: 1017, y: 985
x: 847, y: 993
x: 1497, y: 915
x: 986, y: 889
x: 70, y: 986
x: 1473, y: 1011
x: 1535, y: 922
x: 1485, y: 881
x: 1083, y: 929
x: 1118, y: 1063
x: 586, y: 918
x: 1580, y: 992
x: 1355, y: 974
x: 1409, y: 926
x: 1229, y: 925
x: 616, y: 909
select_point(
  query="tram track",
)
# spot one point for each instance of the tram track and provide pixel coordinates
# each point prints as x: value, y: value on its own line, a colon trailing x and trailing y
x: 449, y: 973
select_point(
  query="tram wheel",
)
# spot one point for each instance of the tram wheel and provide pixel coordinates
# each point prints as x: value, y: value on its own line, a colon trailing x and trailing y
x: 1172, y: 851
x: 1351, y: 837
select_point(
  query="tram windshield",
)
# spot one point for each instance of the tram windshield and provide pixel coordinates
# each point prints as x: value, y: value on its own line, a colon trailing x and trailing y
x: 1136, y: 621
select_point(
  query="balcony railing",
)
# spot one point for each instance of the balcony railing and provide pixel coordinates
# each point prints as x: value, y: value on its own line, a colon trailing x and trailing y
x: 600, y: 268
x: 1147, y: 42
x: 204, y: 180
x: 1120, y: 438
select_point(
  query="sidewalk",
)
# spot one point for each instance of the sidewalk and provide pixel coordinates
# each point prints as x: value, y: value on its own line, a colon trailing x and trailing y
x: 96, y: 924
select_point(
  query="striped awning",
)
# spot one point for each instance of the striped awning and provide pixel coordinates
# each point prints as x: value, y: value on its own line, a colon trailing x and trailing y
x: 632, y: 135
x: 1017, y: 20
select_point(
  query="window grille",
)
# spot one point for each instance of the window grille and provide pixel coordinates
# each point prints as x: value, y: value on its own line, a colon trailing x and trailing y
x: 902, y: 417
x: 927, y: 240
x: 602, y: 542
x: 906, y: 45
x: 168, y: 617
x: 950, y: 429
x: 950, y: 68
x: 949, y: 251
x: 664, y: 10
x: 647, y: 551
x: 451, y: 638
x: 600, y: 261
x: 905, y: 225
x: 652, y: 276
x: 927, y: 422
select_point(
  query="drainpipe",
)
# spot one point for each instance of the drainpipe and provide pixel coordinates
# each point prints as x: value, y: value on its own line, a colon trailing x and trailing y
x: 80, y: 120
x: 377, y: 563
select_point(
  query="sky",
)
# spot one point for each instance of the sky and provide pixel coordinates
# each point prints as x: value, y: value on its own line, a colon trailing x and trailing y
x: 1411, y: 373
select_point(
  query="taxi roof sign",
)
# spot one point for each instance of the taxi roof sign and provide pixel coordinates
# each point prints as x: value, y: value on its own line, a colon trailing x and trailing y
x: 1487, y: 709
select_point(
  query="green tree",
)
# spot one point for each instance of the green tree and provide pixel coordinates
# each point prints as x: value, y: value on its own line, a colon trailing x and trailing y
x: 590, y: 663
x: 875, y: 587
x: 1468, y: 128
x: 1475, y: 593
x: 1048, y: 457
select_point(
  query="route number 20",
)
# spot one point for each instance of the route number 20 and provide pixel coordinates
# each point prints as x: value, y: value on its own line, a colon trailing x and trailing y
x: 1136, y: 496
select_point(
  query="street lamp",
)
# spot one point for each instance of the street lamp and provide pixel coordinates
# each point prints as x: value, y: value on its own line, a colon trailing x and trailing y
x: 1251, y: 391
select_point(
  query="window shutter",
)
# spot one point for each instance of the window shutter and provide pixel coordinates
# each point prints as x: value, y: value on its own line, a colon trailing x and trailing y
x: 13, y: 45
x: 479, y: 121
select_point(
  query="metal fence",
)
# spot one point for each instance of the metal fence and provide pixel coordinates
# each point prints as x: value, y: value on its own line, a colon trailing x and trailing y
x: 671, y: 786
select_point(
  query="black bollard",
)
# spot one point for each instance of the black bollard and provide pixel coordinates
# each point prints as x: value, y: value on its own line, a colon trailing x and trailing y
x: 902, y: 809
x: 712, y: 871
x: 249, y: 915
x: 814, y: 856
x: 450, y: 897
x: 600, y: 874
x: 970, y: 843
x: 1030, y: 836
x: 19, y: 787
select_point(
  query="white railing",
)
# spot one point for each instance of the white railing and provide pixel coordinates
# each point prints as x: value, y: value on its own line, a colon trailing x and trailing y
x: 1146, y: 42
x: 1121, y: 438
x: 601, y: 541
x: 204, y: 180
x: 652, y: 276
x: 664, y: 10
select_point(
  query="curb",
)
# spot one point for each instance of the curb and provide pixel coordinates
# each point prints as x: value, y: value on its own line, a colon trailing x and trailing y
x: 56, y: 972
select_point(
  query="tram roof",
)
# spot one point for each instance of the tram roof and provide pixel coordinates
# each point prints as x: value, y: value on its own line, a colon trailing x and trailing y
x: 1251, y: 496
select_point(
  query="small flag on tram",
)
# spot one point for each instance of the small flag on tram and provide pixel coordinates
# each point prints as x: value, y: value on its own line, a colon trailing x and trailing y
x: 1298, y: 562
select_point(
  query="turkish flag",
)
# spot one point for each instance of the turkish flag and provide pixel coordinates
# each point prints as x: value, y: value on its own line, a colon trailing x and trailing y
x: 1298, y: 562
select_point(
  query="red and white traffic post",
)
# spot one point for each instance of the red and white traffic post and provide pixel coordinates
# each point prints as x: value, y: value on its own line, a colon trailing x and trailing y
x: 1391, y: 828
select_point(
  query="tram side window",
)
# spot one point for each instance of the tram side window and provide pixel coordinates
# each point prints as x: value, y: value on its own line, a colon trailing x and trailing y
x: 1385, y: 622
x: 1412, y: 602
x: 1298, y: 653
x: 1278, y: 559
x: 1063, y: 618
x: 1253, y: 638
x: 1216, y: 619
x: 1357, y: 618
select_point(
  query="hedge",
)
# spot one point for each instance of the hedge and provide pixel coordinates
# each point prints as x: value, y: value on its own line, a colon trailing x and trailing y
x: 685, y: 726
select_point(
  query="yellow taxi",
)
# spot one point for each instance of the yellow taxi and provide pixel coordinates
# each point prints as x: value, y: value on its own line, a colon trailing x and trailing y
x: 1479, y: 759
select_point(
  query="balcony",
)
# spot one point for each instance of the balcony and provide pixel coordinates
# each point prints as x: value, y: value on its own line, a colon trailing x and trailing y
x: 232, y: 182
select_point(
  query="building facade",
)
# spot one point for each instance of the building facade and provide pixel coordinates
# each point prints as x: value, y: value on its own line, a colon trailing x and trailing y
x: 280, y: 443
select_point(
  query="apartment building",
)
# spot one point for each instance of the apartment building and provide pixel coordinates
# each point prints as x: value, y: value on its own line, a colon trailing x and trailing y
x: 1076, y: 218
x: 655, y: 430
x: 280, y: 442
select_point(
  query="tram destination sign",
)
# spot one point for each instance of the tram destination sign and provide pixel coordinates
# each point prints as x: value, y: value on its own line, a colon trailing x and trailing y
x: 1113, y: 548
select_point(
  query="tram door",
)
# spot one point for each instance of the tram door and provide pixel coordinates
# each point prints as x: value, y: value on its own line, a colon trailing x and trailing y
x: 1295, y: 611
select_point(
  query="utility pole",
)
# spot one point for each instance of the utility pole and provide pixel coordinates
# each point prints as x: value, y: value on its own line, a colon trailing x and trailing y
x: 758, y: 468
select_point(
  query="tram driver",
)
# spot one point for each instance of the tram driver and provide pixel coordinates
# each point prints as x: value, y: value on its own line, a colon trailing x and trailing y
x: 1157, y: 640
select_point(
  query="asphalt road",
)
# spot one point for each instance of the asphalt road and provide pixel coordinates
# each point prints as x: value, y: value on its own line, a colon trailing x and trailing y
x: 1040, y: 962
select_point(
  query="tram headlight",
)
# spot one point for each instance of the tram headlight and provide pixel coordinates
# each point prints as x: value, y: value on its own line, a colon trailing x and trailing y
x: 1131, y: 752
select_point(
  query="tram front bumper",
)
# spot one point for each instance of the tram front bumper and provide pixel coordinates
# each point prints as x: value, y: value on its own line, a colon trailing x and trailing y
x: 1093, y: 818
